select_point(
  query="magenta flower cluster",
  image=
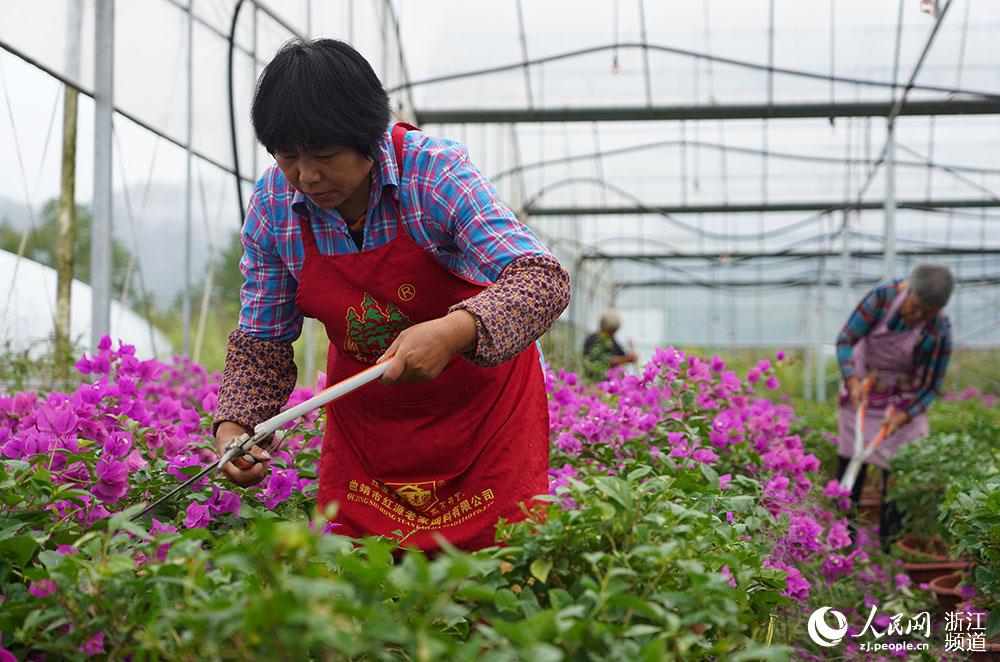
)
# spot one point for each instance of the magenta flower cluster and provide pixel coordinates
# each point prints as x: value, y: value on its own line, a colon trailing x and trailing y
x: 675, y: 387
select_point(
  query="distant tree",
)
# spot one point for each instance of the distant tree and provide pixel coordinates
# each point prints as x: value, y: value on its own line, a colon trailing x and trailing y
x: 228, y: 278
x: 42, y: 241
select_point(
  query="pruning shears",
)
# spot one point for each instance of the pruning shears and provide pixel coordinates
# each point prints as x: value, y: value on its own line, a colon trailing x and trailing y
x: 861, y: 451
x: 240, y: 446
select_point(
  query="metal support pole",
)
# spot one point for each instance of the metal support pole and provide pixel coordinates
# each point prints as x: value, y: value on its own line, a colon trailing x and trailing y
x: 806, y: 345
x: 890, y: 200
x: 189, y: 203
x: 576, y: 280
x: 67, y: 193
x: 845, y: 265
x: 100, y: 244
x: 819, y: 362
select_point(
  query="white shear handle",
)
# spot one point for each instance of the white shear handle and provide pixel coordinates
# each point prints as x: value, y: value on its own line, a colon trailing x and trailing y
x: 266, y: 428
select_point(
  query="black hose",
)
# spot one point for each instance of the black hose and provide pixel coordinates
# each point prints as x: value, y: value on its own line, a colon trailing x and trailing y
x: 232, y: 111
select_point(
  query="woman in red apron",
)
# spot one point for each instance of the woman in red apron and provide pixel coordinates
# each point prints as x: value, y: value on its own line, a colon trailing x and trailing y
x: 898, y: 337
x: 399, y: 247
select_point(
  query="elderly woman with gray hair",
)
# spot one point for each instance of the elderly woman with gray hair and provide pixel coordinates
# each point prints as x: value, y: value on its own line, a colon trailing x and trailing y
x: 899, y: 337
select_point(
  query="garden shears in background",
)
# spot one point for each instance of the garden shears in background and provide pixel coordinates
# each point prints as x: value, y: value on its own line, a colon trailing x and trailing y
x: 241, y: 445
x: 862, y: 451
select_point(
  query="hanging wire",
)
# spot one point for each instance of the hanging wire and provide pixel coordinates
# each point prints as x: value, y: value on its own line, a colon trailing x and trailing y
x: 911, y: 85
x: 642, y: 206
x: 615, y: 67
x: 231, y: 97
x: 745, y: 64
x: 736, y: 149
x: 930, y: 171
x: 645, y: 53
x: 524, y: 53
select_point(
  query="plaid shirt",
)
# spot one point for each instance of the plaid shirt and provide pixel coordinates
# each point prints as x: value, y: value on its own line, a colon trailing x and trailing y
x: 931, y: 353
x: 450, y: 209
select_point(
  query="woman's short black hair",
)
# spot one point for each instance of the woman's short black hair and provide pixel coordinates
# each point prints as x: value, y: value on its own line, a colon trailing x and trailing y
x: 319, y: 94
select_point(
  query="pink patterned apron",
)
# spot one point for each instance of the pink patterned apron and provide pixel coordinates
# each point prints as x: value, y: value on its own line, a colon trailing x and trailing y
x: 888, y: 357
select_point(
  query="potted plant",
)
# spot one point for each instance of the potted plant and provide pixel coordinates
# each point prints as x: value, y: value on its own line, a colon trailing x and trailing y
x: 946, y: 589
x: 971, y: 513
x: 918, y: 489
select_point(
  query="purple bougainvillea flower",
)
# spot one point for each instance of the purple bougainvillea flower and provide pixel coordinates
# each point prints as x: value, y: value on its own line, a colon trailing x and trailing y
x: 836, y: 566
x: 58, y: 421
x: 724, y: 481
x: 772, y: 383
x: 902, y: 581
x: 6, y: 655
x: 210, y: 403
x: 279, y: 487
x: 94, y: 645
x: 197, y: 516
x: 224, y: 501
x: 729, y: 575
x: 841, y: 496
x: 753, y: 375
x: 112, y: 480
x: 117, y: 445
x: 780, y: 356
x: 839, y: 535
x: 704, y: 455
x: 43, y: 588
x: 796, y: 586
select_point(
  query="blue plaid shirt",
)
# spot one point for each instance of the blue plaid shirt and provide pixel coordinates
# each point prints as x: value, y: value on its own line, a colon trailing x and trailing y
x: 450, y: 209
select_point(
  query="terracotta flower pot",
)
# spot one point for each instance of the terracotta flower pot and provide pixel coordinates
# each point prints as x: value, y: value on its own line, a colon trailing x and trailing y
x: 933, y: 550
x: 937, y: 563
x: 945, y: 587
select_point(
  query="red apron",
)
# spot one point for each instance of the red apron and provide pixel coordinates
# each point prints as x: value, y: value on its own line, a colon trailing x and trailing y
x: 450, y: 456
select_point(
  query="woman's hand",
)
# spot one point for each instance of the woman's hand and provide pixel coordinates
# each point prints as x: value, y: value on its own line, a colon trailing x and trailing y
x: 239, y: 470
x: 855, y: 391
x: 896, y: 421
x: 422, y: 351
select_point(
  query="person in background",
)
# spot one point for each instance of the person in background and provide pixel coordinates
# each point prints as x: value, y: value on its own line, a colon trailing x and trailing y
x: 899, y: 337
x: 601, y: 351
x: 397, y: 243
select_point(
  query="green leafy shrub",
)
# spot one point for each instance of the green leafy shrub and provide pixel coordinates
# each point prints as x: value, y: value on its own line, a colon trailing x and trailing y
x: 923, y: 469
x: 971, y: 514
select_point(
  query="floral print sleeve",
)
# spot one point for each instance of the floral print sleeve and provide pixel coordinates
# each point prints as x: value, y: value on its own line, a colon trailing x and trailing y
x: 258, y: 378
x: 517, y: 309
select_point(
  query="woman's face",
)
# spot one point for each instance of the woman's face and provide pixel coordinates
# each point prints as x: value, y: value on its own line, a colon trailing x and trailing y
x: 915, y: 311
x: 328, y: 176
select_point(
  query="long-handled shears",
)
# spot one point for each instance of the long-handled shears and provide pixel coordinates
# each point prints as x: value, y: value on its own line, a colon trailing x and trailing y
x: 240, y: 446
x: 861, y: 451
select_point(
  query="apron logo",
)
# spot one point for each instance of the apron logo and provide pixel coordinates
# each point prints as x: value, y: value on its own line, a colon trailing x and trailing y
x: 371, y: 328
x: 420, y: 496
x: 406, y: 292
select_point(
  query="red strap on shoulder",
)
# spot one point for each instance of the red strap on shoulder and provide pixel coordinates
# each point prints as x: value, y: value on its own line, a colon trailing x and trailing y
x: 398, y: 135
